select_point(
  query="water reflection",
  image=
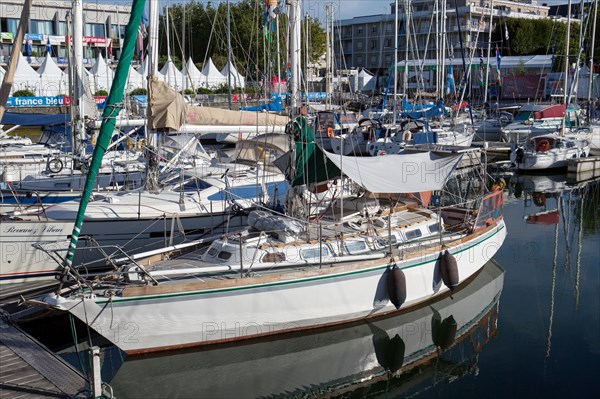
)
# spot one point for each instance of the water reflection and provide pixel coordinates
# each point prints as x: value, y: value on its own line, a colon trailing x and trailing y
x: 565, y: 204
x: 411, y: 351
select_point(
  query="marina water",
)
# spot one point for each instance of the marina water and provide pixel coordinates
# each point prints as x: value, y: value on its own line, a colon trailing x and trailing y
x: 527, y: 326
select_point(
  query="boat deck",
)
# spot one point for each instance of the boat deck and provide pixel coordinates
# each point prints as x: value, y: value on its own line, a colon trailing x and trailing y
x: 189, y: 266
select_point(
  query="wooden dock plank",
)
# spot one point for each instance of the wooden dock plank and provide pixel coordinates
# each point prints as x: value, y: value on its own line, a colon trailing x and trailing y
x: 29, y: 370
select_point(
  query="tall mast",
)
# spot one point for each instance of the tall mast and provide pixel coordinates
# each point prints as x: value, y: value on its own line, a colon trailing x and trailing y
x: 14, y: 57
x: 327, y: 60
x: 406, y: 43
x: 294, y: 18
x: 568, y: 41
x: 152, y: 59
x: 228, y: 56
x: 396, y: 40
x: 591, y: 79
x: 79, y: 89
x: 489, y: 49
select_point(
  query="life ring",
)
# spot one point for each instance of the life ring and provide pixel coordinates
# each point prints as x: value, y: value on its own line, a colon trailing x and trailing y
x: 54, y: 165
x: 407, y: 135
x: 542, y: 146
x: 330, y: 132
x: 539, y: 199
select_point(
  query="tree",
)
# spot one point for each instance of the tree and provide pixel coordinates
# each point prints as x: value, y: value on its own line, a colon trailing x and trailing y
x: 254, y: 55
x: 536, y: 37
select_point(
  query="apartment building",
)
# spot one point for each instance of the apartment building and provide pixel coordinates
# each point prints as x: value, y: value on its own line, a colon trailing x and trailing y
x: 368, y: 41
x: 103, y: 26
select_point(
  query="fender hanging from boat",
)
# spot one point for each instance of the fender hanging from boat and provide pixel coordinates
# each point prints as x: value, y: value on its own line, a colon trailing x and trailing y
x: 396, y: 286
x: 449, y: 270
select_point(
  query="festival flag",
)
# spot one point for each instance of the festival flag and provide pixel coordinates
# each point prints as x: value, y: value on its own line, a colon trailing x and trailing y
x: 450, y: 80
x: 109, y: 50
x: 498, y: 62
x: 48, y: 46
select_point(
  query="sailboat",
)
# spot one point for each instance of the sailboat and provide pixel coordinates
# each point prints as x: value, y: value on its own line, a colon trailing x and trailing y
x: 360, y: 258
x: 553, y: 150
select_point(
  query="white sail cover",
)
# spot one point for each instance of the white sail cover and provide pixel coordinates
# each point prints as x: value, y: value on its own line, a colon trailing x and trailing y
x: 53, y: 81
x: 192, y: 76
x: 408, y: 172
x: 171, y: 75
x: 213, y: 78
x: 26, y: 78
x: 237, y: 80
x: 102, y: 74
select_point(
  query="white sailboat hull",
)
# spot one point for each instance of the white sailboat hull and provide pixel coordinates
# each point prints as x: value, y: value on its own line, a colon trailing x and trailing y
x: 19, y: 260
x: 363, y: 349
x: 271, y: 304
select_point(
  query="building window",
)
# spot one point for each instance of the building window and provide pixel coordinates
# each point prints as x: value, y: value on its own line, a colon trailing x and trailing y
x: 12, y: 25
x: 388, y: 59
x: 374, y: 29
x: 62, y: 28
x: 373, y: 44
x: 359, y: 29
x: 359, y: 44
x: 42, y: 27
x: 388, y: 43
x: 374, y: 60
x: 96, y: 30
x: 359, y: 60
x: 117, y: 31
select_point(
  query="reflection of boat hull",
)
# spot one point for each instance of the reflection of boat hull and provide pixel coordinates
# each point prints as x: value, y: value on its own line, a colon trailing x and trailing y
x: 221, y: 311
x: 323, y: 361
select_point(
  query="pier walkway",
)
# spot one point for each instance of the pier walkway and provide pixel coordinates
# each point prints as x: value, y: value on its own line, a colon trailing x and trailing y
x: 30, y: 370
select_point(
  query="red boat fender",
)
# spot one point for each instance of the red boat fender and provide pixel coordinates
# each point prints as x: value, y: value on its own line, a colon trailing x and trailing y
x: 396, y: 284
x: 449, y: 270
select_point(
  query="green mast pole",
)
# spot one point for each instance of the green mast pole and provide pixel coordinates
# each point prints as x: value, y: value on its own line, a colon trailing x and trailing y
x: 114, y: 103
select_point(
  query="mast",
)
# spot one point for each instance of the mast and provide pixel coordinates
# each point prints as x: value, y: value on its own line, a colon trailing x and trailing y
x: 152, y: 59
x: 568, y: 40
x: 79, y: 89
x: 228, y: 56
x: 327, y: 59
x: 14, y: 57
x: 591, y: 79
x: 395, y: 60
x: 407, y: 44
x: 109, y: 115
x: 294, y: 20
x: 489, y: 49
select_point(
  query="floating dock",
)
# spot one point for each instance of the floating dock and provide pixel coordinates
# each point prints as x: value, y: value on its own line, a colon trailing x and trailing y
x: 30, y: 370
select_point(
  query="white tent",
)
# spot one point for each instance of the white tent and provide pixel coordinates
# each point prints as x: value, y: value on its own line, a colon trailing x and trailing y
x: 53, y: 81
x: 366, y: 81
x: 213, y: 78
x: 192, y: 75
x: 171, y: 75
x: 237, y: 80
x: 135, y: 80
x: 26, y: 78
x: 1, y: 73
x: 102, y: 74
